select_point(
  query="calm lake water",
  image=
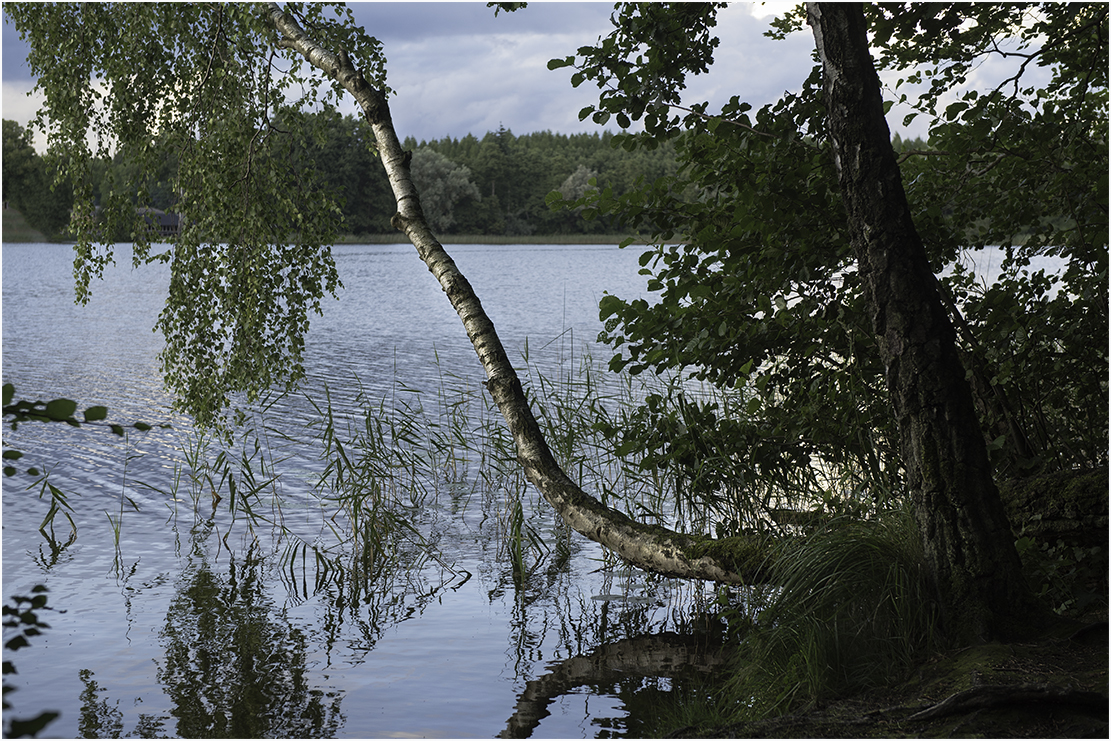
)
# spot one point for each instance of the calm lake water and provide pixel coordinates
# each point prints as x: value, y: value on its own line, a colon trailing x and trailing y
x: 179, y: 617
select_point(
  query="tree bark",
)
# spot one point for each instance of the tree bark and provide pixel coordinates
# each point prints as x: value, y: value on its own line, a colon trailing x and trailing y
x: 650, y: 547
x: 967, y: 539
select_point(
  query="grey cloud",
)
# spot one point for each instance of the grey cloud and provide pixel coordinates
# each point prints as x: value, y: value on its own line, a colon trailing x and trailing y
x: 420, y: 21
x: 457, y: 69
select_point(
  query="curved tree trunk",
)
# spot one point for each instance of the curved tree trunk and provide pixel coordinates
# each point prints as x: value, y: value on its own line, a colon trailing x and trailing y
x: 968, y: 541
x: 650, y: 547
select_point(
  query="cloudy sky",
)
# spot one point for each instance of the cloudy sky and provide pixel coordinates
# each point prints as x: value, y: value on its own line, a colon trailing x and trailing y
x: 457, y: 69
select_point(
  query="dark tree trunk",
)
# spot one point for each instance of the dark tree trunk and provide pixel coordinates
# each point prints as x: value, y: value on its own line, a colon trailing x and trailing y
x: 968, y: 541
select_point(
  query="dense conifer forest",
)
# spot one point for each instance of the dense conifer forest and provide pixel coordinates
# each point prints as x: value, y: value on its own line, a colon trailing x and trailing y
x: 495, y: 184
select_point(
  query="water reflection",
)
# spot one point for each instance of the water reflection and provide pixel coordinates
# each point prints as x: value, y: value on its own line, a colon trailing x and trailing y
x: 233, y: 665
x: 101, y: 719
x: 612, y: 667
x: 318, y: 598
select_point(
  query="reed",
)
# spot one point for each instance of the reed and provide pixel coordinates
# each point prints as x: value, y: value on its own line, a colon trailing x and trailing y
x: 388, y: 460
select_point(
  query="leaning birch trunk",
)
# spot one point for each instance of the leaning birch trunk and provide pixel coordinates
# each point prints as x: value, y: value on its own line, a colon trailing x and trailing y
x: 650, y: 547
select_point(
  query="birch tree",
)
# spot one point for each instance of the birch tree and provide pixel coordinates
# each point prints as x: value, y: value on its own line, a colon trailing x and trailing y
x: 967, y: 538
x: 253, y: 262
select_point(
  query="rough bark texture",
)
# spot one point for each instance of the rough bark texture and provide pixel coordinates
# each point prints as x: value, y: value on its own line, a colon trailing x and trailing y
x: 967, y: 539
x: 656, y: 549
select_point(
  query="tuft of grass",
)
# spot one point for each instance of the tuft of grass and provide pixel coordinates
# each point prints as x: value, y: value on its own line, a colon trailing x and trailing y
x: 852, y: 610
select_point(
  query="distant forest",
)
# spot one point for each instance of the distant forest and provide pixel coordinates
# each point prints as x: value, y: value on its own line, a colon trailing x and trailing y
x: 496, y: 184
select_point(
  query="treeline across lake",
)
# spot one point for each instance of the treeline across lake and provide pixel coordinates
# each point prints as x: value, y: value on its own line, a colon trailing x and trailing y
x: 495, y: 184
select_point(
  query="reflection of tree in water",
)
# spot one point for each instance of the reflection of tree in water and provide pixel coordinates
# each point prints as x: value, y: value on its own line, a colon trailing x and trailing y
x: 372, y: 585
x: 638, y: 641
x: 100, y: 719
x: 233, y: 666
x: 623, y: 668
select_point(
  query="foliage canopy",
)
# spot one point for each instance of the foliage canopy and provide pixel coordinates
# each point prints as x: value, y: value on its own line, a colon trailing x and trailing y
x: 207, y: 86
x: 758, y: 291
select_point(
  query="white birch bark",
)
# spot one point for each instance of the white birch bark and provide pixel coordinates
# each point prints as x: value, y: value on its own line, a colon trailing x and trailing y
x: 650, y: 547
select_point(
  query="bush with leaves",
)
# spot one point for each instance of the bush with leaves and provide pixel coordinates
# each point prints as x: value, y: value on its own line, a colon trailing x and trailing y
x: 758, y: 288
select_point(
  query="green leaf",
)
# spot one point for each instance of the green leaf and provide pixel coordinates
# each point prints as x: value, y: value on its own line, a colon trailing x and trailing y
x: 16, y: 643
x: 97, y: 413
x: 9, y: 392
x: 60, y: 410
x: 141, y: 426
x: 954, y: 109
x: 609, y: 305
x: 12, y: 455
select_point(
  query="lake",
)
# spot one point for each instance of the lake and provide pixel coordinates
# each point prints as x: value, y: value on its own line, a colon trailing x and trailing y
x: 422, y: 590
x: 260, y: 615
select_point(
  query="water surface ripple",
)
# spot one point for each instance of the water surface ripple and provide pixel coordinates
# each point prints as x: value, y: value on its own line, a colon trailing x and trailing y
x: 192, y: 623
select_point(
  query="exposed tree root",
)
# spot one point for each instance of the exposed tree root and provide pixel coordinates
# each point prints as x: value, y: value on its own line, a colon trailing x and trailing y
x: 998, y: 695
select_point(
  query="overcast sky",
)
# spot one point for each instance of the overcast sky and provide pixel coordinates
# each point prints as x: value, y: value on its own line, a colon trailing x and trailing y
x: 457, y: 69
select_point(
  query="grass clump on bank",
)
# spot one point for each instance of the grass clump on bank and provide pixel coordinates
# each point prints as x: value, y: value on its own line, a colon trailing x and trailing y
x: 848, y: 609
x: 853, y: 611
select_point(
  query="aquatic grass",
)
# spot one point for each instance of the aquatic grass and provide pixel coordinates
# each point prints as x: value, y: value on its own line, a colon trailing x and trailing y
x: 382, y: 457
x: 59, y: 503
x: 117, y: 521
x: 359, y: 474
